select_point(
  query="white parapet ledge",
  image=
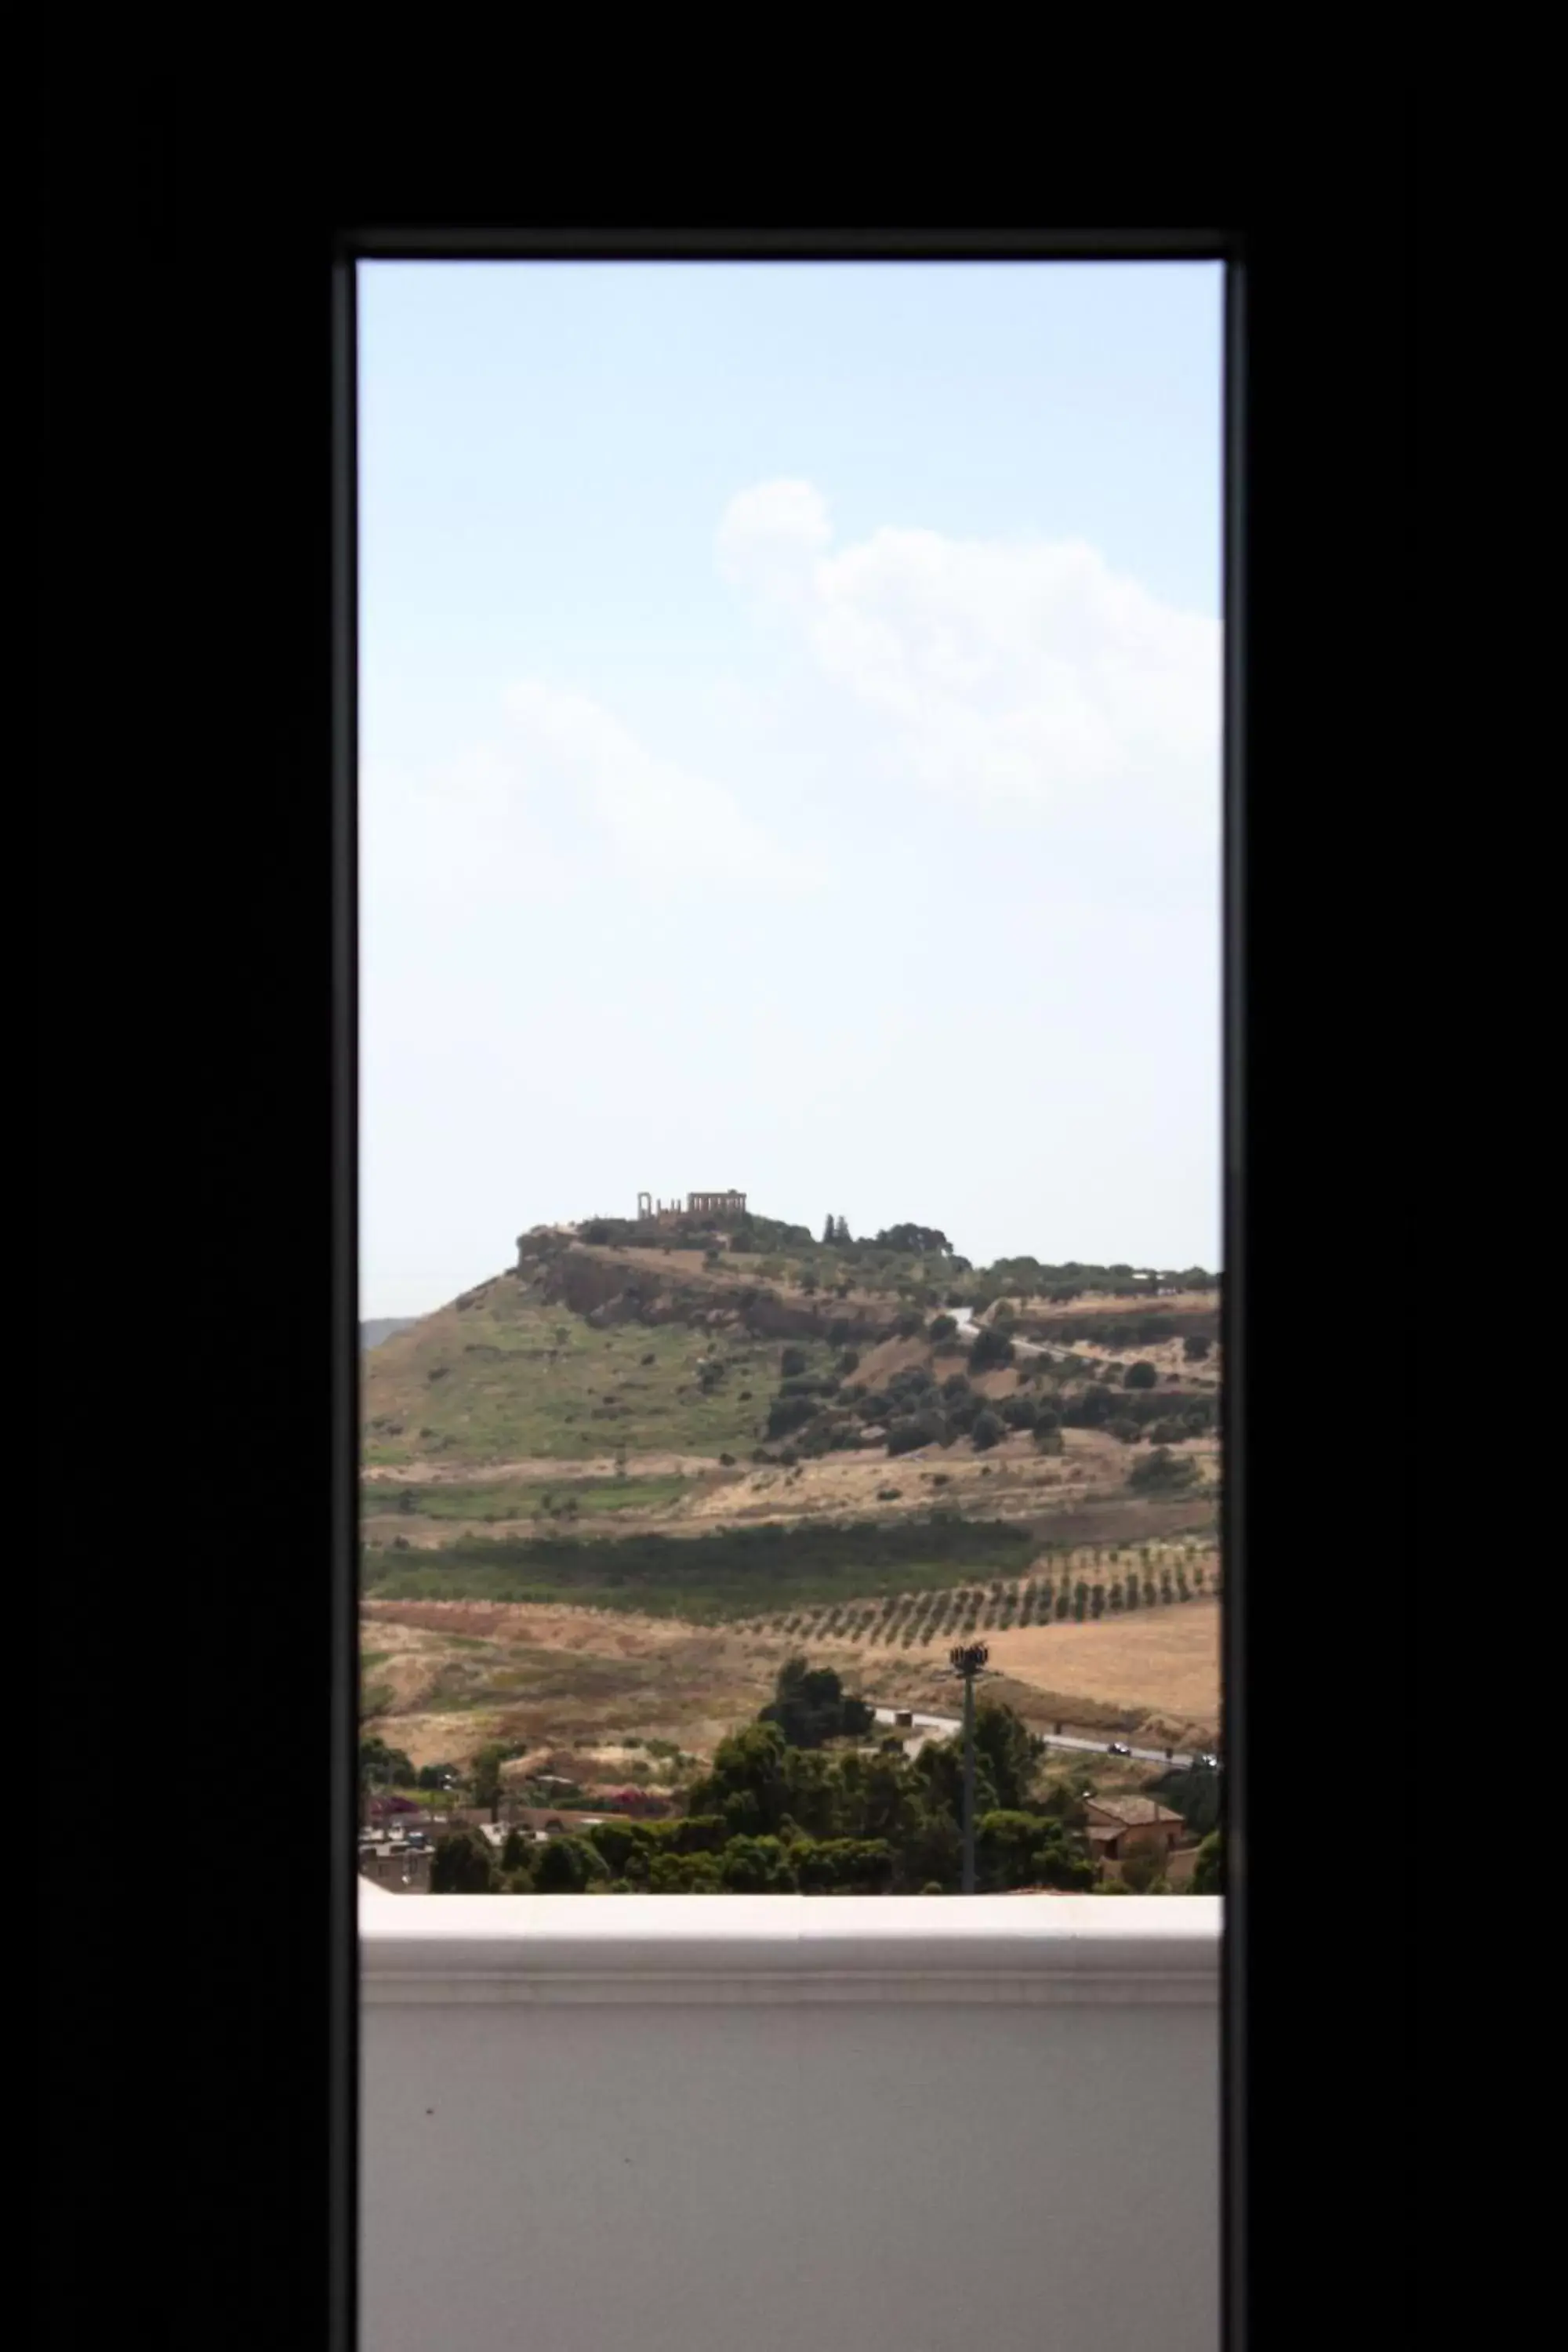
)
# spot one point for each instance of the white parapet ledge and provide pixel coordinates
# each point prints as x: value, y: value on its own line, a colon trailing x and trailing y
x: 1008, y: 1950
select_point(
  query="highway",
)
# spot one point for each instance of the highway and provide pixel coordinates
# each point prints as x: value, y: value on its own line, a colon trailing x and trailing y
x: 942, y: 1727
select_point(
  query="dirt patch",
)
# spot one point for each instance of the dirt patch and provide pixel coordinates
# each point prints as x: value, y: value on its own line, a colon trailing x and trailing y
x: 542, y: 1471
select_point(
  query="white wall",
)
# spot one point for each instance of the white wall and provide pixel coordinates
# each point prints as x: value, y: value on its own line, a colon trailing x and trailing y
x: 705, y: 2123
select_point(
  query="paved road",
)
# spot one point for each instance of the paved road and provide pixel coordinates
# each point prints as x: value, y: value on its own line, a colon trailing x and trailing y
x: 942, y: 1727
x: 968, y: 1328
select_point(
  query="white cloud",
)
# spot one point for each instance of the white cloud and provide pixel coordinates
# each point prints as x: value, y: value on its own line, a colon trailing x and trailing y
x: 770, y: 539
x: 1024, y: 674
x: 463, y: 835
x: 661, y: 818
x: 562, y: 784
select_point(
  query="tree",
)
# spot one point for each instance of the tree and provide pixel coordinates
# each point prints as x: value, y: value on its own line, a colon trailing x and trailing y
x: 809, y: 1705
x: 1193, y: 1792
x: 1091, y: 1408
x: 1008, y: 1751
x: 940, y: 1328
x: 987, y: 1432
x: 792, y: 1362
x: 915, y: 1241
x: 991, y: 1348
x: 566, y: 1866
x: 1208, y: 1867
x: 1063, y: 1861
x: 380, y: 1767
x: 748, y: 1782
x: 1141, y: 1375
x: 484, y: 1776
x: 842, y: 1236
x: 829, y: 1234
x: 517, y: 1852
x: 615, y: 1841
x: 1196, y: 1347
x: 684, y: 1873
x: 461, y: 1865
x: 1005, y: 1846
x: 756, y: 1865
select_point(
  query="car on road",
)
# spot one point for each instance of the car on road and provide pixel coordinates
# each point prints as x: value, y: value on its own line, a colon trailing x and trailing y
x: 1209, y: 1763
x: 1117, y: 1748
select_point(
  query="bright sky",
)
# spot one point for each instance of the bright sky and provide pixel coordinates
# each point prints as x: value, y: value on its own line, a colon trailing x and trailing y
x: 790, y: 754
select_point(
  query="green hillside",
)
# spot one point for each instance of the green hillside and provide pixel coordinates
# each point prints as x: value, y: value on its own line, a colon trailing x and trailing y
x: 711, y: 1421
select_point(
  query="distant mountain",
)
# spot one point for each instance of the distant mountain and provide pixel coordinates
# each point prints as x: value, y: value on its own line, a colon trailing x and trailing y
x: 383, y: 1326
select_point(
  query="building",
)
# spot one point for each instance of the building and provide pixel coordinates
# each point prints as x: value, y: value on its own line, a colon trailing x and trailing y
x: 652, y: 1211
x: 1117, y: 1825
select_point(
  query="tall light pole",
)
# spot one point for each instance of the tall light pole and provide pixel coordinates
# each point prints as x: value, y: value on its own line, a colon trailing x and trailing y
x: 967, y: 1662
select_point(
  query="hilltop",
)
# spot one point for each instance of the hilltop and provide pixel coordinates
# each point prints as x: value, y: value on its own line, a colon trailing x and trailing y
x: 697, y: 1420
x: 615, y: 1338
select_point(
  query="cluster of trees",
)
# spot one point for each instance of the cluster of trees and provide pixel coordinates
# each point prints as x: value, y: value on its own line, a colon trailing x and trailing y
x: 777, y: 1815
x: 915, y: 1241
x: 811, y: 1706
x: 827, y: 1411
x: 1161, y: 1471
x: 1136, y: 1410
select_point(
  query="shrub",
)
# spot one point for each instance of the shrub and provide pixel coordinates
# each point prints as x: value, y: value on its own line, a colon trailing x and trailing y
x: 1162, y: 1473
x: 916, y: 1430
x: 1125, y: 1429
x: 788, y: 1412
x: 1141, y: 1375
x: 940, y: 1329
x: 1090, y: 1409
x: 792, y: 1362
x: 461, y: 1865
x: 1196, y: 1347
x: 991, y: 1348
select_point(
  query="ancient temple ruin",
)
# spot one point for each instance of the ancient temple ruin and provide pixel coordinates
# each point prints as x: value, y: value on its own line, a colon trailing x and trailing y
x: 696, y: 1205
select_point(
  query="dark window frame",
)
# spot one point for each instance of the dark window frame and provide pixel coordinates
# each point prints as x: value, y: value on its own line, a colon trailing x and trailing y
x: 207, y: 1059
